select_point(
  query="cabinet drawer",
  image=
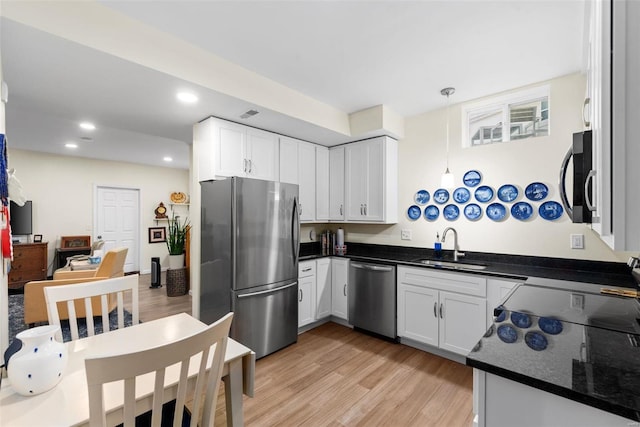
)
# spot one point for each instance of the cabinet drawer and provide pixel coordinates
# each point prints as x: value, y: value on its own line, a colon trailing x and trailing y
x: 307, y: 268
x: 453, y: 282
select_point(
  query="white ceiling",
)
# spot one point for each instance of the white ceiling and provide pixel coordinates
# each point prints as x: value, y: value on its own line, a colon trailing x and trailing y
x: 348, y: 54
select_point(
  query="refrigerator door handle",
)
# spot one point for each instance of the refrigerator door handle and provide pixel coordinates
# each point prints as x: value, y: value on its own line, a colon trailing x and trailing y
x: 269, y: 291
x: 295, y: 231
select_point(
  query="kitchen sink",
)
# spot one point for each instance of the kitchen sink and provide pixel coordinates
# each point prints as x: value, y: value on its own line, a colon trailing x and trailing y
x: 451, y: 264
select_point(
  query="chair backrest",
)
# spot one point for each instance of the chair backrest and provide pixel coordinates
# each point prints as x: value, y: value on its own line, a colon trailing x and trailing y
x: 128, y: 366
x: 112, y: 264
x: 85, y: 291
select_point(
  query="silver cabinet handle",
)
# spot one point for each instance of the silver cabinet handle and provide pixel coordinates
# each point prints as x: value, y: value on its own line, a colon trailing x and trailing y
x: 590, y: 176
x: 344, y: 289
x: 304, y: 270
x: 365, y: 209
x: 250, y: 166
x: 245, y: 165
x: 300, y: 298
x: 585, y: 109
x: 441, y: 316
x: 435, y: 312
x: 300, y: 213
x: 340, y: 209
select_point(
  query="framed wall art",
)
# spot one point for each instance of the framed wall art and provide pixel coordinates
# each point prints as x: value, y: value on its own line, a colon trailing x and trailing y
x: 157, y: 234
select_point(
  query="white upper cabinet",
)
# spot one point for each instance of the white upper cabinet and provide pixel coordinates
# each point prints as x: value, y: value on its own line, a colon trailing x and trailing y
x: 371, y: 186
x: 336, y: 184
x: 322, y: 183
x: 298, y: 166
x: 225, y: 149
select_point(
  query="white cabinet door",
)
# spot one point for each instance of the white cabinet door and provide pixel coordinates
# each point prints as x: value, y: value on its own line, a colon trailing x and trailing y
x: 306, y: 300
x: 323, y: 288
x: 288, y: 160
x: 322, y: 183
x: 374, y: 184
x: 418, y: 313
x: 262, y: 155
x: 463, y: 320
x: 230, y: 153
x: 307, y: 181
x: 339, y: 278
x: 356, y: 172
x: 336, y: 184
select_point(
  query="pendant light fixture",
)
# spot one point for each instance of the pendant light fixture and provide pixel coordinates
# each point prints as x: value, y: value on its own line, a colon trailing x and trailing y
x: 447, y: 180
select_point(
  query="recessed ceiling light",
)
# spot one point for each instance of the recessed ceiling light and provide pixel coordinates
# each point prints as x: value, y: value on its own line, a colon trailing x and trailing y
x: 87, y: 126
x: 167, y: 159
x: 71, y: 145
x: 187, y: 97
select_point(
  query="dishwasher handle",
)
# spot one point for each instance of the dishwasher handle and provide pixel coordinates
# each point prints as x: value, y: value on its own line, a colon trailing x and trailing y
x: 371, y: 267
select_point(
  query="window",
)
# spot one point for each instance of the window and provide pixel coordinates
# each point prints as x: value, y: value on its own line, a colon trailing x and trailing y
x: 511, y: 117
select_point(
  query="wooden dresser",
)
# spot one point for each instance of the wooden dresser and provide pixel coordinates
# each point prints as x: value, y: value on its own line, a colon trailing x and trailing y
x: 29, y: 263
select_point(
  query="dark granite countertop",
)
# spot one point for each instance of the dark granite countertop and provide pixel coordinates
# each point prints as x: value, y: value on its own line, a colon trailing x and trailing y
x: 515, y: 267
x: 592, y: 357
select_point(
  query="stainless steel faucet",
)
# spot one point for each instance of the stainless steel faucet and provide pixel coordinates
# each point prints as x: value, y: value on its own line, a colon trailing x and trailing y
x: 456, y: 252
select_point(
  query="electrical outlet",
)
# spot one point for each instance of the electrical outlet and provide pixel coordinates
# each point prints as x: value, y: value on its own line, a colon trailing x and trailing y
x: 405, y: 235
x: 577, y: 241
x: 577, y: 301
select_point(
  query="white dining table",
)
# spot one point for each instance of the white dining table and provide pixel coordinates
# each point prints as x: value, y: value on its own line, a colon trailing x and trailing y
x: 67, y: 404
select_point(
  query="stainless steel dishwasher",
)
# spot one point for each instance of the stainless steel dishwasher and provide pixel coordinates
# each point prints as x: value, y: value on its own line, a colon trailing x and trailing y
x: 372, y: 297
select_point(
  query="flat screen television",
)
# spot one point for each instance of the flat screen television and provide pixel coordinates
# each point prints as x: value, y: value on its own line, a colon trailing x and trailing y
x: 21, y: 219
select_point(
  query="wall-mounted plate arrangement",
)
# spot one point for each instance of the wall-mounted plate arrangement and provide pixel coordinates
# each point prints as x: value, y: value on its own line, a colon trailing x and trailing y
x: 484, y: 193
x: 431, y: 213
x: 422, y: 197
x: 521, y: 211
x: 507, y: 333
x: 472, y: 178
x: 441, y: 196
x: 451, y: 212
x: 536, y: 191
x: 461, y: 195
x: 508, y: 193
x: 414, y: 212
x: 472, y: 211
x: 550, y: 210
x: 496, y: 211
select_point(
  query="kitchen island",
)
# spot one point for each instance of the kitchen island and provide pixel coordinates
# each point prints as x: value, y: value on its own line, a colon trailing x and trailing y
x: 559, y: 356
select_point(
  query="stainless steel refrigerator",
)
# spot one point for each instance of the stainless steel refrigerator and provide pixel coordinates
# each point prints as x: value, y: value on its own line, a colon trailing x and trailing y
x: 249, y: 248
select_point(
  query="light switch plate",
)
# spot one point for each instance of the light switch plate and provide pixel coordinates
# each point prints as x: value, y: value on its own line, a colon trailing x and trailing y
x: 405, y: 235
x: 577, y: 301
x: 577, y: 241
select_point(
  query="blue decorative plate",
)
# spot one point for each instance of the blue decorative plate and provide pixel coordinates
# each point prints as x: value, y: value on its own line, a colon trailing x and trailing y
x: 550, y: 210
x: 550, y: 325
x: 521, y: 320
x: 496, y: 211
x: 536, y: 191
x: 461, y: 195
x: 472, y: 178
x: 484, y: 193
x: 521, y: 211
x: 536, y: 340
x: 507, y: 193
x: 422, y: 197
x: 441, y: 196
x: 450, y: 212
x: 507, y: 333
x: 414, y: 212
x: 472, y: 211
x: 431, y: 213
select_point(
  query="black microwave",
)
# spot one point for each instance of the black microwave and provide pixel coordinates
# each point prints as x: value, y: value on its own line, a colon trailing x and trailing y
x: 581, y: 208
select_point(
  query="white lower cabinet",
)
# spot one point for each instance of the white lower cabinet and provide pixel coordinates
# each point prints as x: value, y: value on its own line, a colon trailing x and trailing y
x: 323, y: 288
x: 306, y: 293
x: 429, y: 313
x: 339, y: 278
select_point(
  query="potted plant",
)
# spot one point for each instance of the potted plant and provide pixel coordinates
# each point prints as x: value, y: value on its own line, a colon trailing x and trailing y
x: 176, y: 240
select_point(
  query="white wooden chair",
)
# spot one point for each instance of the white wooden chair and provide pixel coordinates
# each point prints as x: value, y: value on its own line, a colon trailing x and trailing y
x: 85, y: 291
x: 127, y: 367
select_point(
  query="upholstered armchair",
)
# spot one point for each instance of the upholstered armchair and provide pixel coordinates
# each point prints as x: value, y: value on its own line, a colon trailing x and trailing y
x: 35, y: 306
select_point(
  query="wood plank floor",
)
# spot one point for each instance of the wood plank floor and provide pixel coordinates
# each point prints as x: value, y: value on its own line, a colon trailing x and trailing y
x: 334, y: 376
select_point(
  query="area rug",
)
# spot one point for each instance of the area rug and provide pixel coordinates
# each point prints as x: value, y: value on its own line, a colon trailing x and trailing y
x: 16, y: 320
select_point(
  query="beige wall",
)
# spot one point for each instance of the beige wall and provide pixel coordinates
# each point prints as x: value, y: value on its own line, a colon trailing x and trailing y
x: 62, y: 191
x: 422, y: 160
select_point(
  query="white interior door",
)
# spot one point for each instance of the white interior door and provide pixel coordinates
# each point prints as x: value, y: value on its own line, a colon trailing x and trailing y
x: 117, y: 218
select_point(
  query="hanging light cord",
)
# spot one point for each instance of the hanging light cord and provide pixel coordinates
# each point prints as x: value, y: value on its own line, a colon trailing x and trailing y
x: 447, y: 171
